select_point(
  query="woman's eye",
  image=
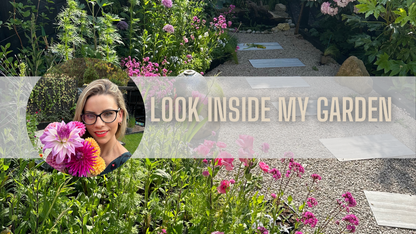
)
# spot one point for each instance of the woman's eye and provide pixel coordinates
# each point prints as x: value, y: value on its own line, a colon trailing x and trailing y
x: 90, y: 116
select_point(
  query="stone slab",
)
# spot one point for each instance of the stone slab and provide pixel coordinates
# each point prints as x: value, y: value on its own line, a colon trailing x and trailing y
x: 282, y: 62
x: 367, y: 147
x: 393, y: 209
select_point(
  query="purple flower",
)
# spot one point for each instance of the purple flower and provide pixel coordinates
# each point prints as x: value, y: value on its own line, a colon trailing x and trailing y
x: 352, y: 219
x: 167, y: 3
x: 263, y: 230
x: 169, y: 28
x: 351, y: 228
x: 316, y: 177
x: 62, y: 139
x: 276, y: 173
x: 122, y: 25
x: 232, y: 181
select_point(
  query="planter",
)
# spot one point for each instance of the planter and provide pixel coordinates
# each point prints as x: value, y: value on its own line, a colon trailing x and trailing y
x: 129, y: 130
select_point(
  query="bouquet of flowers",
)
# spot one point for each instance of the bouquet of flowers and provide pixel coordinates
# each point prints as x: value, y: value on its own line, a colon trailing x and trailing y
x: 70, y: 153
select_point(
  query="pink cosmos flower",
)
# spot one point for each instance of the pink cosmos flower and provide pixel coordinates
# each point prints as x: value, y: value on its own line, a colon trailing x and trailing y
x: 225, y: 159
x: 221, y: 144
x: 169, y: 28
x: 264, y: 166
x: 312, y: 202
x: 82, y: 161
x: 265, y: 147
x: 224, y: 186
x: 62, y: 139
x: 205, y: 173
x: 167, y: 3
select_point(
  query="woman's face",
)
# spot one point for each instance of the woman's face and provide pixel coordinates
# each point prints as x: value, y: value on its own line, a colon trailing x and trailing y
x: 101, y: 131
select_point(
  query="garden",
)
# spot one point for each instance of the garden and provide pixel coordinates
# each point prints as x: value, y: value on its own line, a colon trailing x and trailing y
x: 190, y: 177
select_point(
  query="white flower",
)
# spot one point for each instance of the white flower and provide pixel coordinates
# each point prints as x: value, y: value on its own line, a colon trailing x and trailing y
x: 202, y: 49
x: 200, y: 36
x: 206, y: 34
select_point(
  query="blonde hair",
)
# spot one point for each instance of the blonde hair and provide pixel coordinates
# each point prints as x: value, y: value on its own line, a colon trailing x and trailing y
x: 103, y: 87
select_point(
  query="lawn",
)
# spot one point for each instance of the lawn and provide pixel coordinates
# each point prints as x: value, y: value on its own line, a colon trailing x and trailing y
x: 132, y: 141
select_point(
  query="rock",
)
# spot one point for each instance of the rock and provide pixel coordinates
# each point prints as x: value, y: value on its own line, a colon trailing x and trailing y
x: 355, y: 67
x: 242, y: 31
x: 289, y: 21
x: 283, y: 26
x: 249, y: 31
x: 280, y: 6
x: 275, y: 29
x: 292, y: 25
x: 253, y: 31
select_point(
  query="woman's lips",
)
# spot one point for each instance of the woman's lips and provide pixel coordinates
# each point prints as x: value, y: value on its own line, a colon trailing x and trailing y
x: 101, y: 133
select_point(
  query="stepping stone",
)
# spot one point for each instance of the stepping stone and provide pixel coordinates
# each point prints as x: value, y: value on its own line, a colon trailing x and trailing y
x: 268, y: 45
x: 367, y: 147
x: 276, y: 82
x: 283, y: 62
x: 393, y: 209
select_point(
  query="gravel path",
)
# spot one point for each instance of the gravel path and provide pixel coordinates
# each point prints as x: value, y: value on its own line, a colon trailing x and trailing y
x: 302, y: 138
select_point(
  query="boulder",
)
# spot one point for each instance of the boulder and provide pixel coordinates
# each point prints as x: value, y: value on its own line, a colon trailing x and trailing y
x: 280, y: 7
x: 283, y: 26
x: 354, y: 67
x: 275, y: 29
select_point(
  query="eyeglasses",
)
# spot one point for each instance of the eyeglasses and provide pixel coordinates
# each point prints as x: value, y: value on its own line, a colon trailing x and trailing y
x: 107, y: 116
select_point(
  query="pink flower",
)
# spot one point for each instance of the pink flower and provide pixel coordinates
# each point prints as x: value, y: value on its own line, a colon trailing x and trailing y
x: 309, y: 218
x: 167, y: 3
x: 264, y: 166
x: 276, y: 173
x: 245, y: 161
x: 62, y: 139
x: 265, y: 147
x: 215, y: 19
x: 274, y: 195
x: 217, y: 232
x: 298, y: 232
x: 312, y: 202
x: 185, y: 39
x: 349, y: 199
x: 195, y: 18
x: 79, y: 125
x: 203, y: 74
x: 51, y: 160
x: 225, y: 159
x: 205, y: 161
x: 221, y: 144
x: 169, y: 28
x: 202, y: 150
x: 296, y: 167
x: 351, y: 228
x: 316, y: 177
x: 205, y: 173
x: 83, y: 160
x: 181, y: 43
x: 232, y: 181
x: 263, y: 230
x: 230, y: 23
x: 192, y: 37
x: 246, y: 143
x: 352, y: 219
x: 224, y: 186
x: 189, y: 56
x: 209, y: 144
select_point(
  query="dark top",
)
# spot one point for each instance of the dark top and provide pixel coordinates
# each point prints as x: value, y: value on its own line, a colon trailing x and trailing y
x: 116, y: 163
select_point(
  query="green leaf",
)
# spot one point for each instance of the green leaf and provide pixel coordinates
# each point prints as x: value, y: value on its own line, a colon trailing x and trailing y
x: 289, y: 199
x: 383, y: 62
x: 26, y: 13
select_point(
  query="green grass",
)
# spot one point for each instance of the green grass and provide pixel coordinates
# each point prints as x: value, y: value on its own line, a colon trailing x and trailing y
x: 132, y: 141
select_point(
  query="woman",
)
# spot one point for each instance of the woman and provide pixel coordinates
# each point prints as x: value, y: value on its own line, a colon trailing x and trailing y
x: 102, y: 109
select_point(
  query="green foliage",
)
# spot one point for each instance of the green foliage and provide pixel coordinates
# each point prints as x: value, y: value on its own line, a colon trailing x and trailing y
x: 391, y: 45
x: 54, y: 95
x: 132, y: 141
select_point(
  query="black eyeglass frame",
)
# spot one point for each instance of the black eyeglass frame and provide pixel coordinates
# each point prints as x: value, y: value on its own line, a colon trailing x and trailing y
x: 96, y: 116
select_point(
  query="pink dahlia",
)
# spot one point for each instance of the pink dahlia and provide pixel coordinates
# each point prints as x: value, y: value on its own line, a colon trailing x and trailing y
x: 79, y: 125
x: 62, y: 139
x: 83, y: 160
x: 51, y: 160
x: 224, y: 186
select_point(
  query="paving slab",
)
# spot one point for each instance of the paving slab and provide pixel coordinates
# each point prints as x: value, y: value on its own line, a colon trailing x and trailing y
x: 367, y: 147
x: 282, y: 62
x: 393, y: 209
x: 276, y: 82
x: 268, y: 45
